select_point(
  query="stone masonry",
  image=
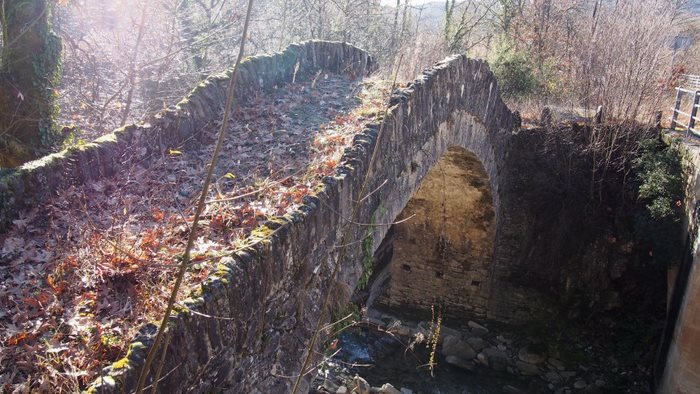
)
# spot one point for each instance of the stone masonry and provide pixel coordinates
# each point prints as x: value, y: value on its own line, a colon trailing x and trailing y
x: 269, y: 296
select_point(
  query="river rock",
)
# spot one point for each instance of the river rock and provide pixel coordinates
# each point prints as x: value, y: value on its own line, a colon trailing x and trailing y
x: 580, y: 384
x: 482, y: 359
x: 406, y: 391
x: 342, y: 390
x: 374, y: 321
x: 497, y: 359
x: 511, y: 390
x: 330, y: 386
x: 387, y: 388
x: 556, y: 363
x: 404, y: 331
x: 453, y: 346
x: 527, y: 369
x: 531, y: 356
x: 361, y: 385
x: 552, y: 376
x: 502, y: 339
x: 460, y: 363
x: 477, y: 344
x: 449, y: 332
x: 477, y: 329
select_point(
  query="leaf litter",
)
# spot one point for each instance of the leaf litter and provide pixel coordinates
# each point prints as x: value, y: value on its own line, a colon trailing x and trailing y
x: 82, y: 273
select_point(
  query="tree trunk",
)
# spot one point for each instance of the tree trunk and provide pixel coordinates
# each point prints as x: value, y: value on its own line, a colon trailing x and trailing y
x: 394, y: 29
x: 29, y: 73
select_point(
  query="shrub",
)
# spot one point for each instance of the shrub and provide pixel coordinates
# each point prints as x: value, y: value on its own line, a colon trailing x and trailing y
x: 659, y: 180
x: 515, y: 74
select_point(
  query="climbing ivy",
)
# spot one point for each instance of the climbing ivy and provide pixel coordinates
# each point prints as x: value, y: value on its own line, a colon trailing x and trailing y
x: 367, y: 259
x: 30, y: 68
x: 659, y: 188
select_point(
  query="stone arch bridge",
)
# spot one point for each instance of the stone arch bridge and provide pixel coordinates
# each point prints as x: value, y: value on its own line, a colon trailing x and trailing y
x: 443, y: 154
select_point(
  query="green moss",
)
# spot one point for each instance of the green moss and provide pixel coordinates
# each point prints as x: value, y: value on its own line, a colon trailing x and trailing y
x: 32, y: 64
x: 124, y: 362
x: 121, y: 363
x: 111, y: 137
x: 80, y: 147
x: 46, y: 161
x: 367, y: 259
x: 181, y: 310
x: 101, y: 384
x: 261, y: 233
x: 223, y: 273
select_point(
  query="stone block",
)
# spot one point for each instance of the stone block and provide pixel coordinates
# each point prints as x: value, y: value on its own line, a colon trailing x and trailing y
x: 453, y: 346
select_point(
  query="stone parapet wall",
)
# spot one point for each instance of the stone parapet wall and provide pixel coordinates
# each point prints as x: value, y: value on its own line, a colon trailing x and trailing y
x: 248, y: 327
x: 178, y: 126
x: 263, y: 302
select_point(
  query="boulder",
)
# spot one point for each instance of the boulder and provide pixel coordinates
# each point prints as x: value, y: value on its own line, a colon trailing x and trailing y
x: 453, y: 346
x: 556, y: 363
x: 404, y: 331
x: 498, y: 364
x: 552, y: 377
x: 477, y: 330
x: 531, y: 355
x: 387, y: 388
x: 447, y: 332
x: 511, y: 390
x: 460, y: 363
x: 330, y: 386
x: 482, y: 359
x: 361, y: 385
x: 495, y: 352
x: 527, y: 369
x: 477, y: 344
x: 497, y: 359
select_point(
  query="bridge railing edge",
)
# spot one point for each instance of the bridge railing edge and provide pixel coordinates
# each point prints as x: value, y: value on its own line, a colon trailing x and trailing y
x: 34, y: 182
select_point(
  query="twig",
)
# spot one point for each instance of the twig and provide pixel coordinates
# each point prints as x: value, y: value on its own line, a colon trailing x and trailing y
x: 310, y: 369
x: 373, y: 191
x: 204, y: 314
x: 156, y: 379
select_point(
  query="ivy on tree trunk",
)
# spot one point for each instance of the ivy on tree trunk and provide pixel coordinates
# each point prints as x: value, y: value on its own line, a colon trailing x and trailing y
x: 29, y: 72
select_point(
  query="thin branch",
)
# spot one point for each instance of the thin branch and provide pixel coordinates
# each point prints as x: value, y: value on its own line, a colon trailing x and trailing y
x: 200, y: 207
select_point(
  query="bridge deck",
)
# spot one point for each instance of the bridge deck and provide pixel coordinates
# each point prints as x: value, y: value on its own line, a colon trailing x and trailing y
x: 83, y: 272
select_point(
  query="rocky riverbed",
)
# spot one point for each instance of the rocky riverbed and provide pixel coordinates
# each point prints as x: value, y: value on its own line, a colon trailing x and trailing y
x: 384, y: 354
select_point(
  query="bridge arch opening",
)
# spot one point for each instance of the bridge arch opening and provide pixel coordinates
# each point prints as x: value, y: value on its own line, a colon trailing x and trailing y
x: 440, y: 251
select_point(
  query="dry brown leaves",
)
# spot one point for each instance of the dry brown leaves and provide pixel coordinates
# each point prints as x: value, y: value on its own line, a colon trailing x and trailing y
x: 80, y: 274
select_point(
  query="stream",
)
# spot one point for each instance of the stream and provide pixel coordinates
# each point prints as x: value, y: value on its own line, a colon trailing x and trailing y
x: 481, y: 358
x: 381, y: 358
